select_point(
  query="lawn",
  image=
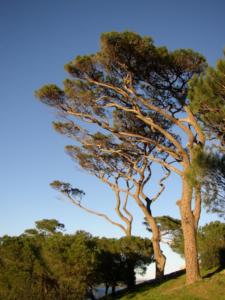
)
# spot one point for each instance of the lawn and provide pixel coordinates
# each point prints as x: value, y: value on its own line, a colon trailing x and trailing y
x: 211, y: 287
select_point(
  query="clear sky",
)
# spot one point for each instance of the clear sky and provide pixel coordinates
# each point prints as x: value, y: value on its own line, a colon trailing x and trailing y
x: 36, y: 39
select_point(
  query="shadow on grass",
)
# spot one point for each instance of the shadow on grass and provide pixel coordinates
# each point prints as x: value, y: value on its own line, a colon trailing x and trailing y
x: 210, y: 274
x: 144, y: 286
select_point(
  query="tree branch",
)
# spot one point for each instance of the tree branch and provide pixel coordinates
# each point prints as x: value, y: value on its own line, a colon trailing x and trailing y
x: 161, y: 185
x: 165, y: 164
x: 104, y: 216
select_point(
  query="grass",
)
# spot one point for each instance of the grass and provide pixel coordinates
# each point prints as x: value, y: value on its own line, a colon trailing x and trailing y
x: 211, y: 287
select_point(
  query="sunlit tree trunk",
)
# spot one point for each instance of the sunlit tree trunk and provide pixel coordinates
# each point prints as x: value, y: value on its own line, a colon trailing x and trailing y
x: 189, y: 233
x: 160, y: 259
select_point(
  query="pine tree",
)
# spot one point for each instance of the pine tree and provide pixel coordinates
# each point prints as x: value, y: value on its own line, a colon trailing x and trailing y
x: 207, y: 96
x: 129, y: 81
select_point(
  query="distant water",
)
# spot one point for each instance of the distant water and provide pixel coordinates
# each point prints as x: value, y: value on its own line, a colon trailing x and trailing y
x: 100, y: 291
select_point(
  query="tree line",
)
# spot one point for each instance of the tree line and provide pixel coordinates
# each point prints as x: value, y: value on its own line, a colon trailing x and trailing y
x: 147, y: 107
x: 45, y: 263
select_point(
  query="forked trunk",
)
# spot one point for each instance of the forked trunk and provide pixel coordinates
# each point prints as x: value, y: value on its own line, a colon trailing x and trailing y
x: 190, y: 235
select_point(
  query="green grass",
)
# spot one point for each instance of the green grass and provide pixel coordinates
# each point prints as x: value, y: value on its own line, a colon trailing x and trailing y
x: 211, y: 287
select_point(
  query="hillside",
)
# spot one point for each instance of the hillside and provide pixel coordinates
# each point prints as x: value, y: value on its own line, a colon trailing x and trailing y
x: 212, y: 286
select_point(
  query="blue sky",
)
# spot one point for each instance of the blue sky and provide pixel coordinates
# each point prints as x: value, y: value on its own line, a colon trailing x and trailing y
x: 37, y: 39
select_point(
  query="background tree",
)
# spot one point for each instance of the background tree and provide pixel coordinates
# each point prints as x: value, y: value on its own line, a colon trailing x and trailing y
x: 110, y: 266
x: 49, y: 226
x: 207, y: 95
x: 120, y: 260
x: 73, y: 259
x: 132, y: 78
x: 136, y: 255
x: 24, y: 273
x: 68, y: 266
x: 211, y: 167
x: 211, y: 241
x: 171, y: 232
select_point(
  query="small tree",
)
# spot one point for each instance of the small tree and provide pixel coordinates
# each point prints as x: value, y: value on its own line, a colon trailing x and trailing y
x: 49, y: 226
x: 121, y: 259
x: 136, y: 254
x: 109, y: 267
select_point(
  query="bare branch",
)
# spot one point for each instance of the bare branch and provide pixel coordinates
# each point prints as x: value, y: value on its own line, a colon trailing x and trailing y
x: 125, y: 202
x: 93, y: 212
x: 162, y: 186
x: 165, y: 164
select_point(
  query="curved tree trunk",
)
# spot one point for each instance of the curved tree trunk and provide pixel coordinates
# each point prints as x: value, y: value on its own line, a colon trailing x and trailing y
x: 190, y: 234
x: 159, y: 263
x: 160, y: 259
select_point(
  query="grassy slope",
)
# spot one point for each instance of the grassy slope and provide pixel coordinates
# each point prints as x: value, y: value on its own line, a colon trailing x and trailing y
x: 212, y: 288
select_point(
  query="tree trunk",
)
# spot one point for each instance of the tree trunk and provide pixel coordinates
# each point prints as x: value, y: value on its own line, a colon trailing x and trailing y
x: 160, y: 259
x: 198, y: 203
x: 130, y: 279
x: 159, y: 263
x: 190, y: 234
x: 91, y: 295
x: 106, y: 289
x: 129, y: 229
x: 113, y: 290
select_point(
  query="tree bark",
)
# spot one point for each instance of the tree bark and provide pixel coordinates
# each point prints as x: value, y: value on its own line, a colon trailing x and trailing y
x: 189, y: 233
x: 160, y: 259
x: 160, y: 263
x: 198, y: 202
x: 129, y: 230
